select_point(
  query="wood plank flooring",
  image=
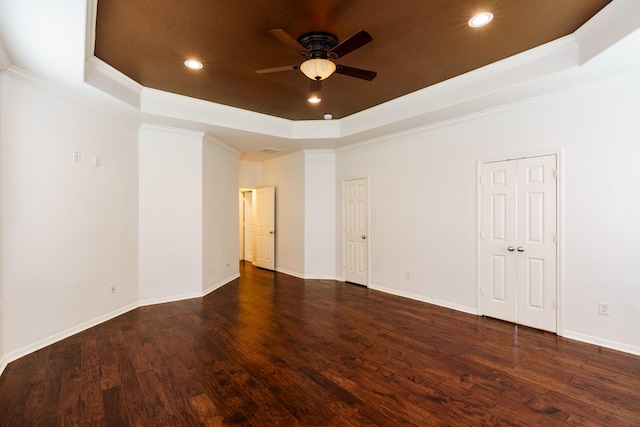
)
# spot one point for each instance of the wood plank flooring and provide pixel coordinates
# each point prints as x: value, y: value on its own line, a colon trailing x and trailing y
x: 273, y: 350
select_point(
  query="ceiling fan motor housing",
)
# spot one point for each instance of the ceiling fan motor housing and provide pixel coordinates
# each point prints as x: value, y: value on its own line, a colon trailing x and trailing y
x: 318, y: 44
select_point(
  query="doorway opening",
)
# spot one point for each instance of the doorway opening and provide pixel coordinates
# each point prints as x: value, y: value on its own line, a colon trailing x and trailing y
x: 247, y: 201
x: 257, y: 232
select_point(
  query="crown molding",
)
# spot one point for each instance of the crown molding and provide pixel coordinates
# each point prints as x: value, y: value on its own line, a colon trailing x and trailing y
x: 203, y: 136
x: 5, y: 61
x: 511, y: 80
x: 215, y: 141
x: 319, y: 151
x: 171, y: 129
x: 313, y: 129
x: 160, y: 103
x: 614, y: 22
x: 299, y: 153
x: 82, y: 96
x: 90, y: 29
x: 107, y: 79
x: 470, y: 92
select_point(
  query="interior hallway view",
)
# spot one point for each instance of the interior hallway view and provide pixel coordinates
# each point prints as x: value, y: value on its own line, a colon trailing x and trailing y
x: 269, y: 349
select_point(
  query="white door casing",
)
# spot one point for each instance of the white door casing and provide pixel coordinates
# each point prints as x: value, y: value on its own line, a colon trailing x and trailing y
x: 264, y: 220
x: 356, y: 229
x: 519, y: 241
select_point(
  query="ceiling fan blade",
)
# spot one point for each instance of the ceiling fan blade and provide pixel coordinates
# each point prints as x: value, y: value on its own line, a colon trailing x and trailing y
x: 285, y: 38
x: 357, y: 40
x: 356, y: 72
x: 277, y: 69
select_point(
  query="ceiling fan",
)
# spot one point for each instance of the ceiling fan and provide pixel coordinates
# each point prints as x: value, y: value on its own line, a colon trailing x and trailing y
x: 321, y: 50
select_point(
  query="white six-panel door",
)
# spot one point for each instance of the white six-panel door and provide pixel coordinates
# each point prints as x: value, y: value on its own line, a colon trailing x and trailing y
x: 265, y: 227
x: 356, y: 226
x: 499, y: 230
x: 519, y: 241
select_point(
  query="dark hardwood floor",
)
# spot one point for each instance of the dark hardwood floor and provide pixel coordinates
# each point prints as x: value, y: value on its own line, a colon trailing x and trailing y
x: 272, y: 350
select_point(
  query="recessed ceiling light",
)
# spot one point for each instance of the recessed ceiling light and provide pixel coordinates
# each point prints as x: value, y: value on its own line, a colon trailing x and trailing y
x: 314, y: 99
x: 481, y: 19
x: 328, y: 116
x: 193, y: 64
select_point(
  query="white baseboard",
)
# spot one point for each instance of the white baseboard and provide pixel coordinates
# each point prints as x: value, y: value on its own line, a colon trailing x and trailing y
x: 17, y: 354
x: 220, y: 284
x: 306, y: 277
x: 602, y: 342
x: 446, y: 304
x: 319, y: 277
x: 172, y: 298
x: 290, y: 273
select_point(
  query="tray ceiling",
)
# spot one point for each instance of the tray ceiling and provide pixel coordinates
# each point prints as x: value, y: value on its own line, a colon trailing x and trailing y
x: 415, y: 44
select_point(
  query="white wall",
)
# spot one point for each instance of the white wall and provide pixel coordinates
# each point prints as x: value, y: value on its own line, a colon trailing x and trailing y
x: 250, y: 174
x: 319, y: 211
x: 424, y: 188
x: 69, y: 229
x: 220, y: 218
x: 287, y: 174
x: 2, y: 363
x: 170, y: 214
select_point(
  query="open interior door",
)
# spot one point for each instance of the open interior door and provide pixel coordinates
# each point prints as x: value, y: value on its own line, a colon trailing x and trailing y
x: 264, y: 254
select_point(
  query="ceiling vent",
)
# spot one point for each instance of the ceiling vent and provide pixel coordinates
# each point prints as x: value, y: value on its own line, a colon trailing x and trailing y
x: 271, y: 150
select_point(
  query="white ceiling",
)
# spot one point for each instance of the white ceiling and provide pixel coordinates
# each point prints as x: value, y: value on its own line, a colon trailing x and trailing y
x: 51, y: 44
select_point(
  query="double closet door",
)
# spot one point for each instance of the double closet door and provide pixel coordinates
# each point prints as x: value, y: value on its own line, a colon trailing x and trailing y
x: 519, y: 241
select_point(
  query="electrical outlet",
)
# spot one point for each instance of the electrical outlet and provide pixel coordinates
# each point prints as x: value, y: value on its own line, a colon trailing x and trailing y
x: 76, y: 156
x: 603, y: 308
x: 112, y: 288
x: 407, y: 274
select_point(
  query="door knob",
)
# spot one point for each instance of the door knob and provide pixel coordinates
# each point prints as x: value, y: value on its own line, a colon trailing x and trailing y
x: 364, y: 237
x: 511, y: 249
x: 520, y: 249
x: 272, y: 232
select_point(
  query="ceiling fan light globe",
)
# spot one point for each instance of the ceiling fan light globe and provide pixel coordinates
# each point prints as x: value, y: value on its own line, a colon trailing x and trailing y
x: 317, y: 68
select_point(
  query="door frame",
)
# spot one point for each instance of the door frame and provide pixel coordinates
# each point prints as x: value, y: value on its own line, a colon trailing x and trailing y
x: 559, y: 225
x: 344, y: 231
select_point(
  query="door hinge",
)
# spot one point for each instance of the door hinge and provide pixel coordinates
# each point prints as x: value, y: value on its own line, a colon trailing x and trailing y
x: 481, y: 291
x: 555, y: 238
x: 481, y: 179
x: 555, y: 173
x: 555, y: 304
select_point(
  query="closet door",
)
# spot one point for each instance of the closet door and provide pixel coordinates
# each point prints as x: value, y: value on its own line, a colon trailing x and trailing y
x: 536, y: 254
x: 499, y: 228
x: 519, y: 238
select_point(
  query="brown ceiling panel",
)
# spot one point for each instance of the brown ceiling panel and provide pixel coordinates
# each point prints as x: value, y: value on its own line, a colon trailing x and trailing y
x: 416, y: 43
